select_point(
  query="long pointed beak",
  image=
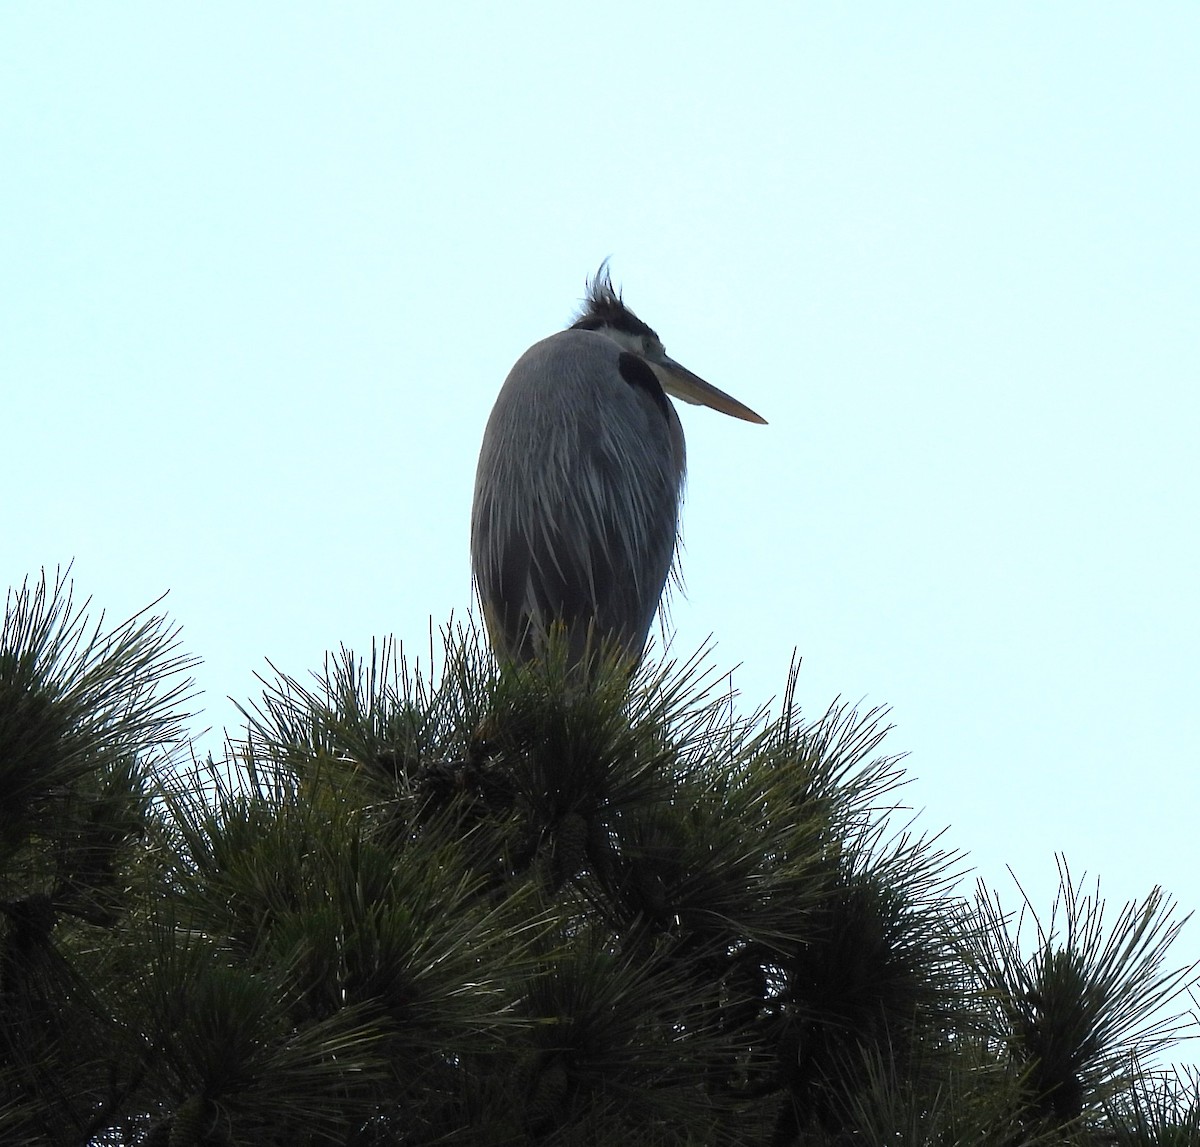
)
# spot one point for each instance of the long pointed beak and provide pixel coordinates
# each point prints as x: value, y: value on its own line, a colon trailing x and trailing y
x: 679, y: 382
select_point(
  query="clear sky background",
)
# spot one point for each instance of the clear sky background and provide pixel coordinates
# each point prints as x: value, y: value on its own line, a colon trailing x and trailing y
x: 264, y: 268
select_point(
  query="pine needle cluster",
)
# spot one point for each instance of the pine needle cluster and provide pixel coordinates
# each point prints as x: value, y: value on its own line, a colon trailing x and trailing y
x: 493, y: 906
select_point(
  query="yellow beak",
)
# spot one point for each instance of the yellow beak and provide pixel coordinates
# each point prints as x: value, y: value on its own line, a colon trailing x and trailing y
x: 679, y: 382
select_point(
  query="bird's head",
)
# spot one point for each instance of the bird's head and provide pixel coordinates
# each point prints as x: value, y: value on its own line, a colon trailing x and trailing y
x: 605, y: 312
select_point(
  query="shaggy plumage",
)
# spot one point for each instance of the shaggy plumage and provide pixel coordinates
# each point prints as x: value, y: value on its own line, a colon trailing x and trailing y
x: 578, y: 487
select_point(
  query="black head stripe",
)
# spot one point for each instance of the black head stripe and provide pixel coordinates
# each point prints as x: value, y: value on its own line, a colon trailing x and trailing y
x: 636, y: 371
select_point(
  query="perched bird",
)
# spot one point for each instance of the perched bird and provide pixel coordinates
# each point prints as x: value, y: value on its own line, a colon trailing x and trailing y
x: 578, y: 488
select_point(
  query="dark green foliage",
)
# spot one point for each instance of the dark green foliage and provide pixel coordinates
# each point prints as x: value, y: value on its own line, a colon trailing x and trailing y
x: 85, y: 712
x: 502, y: 908
x: 1077, y: 1012
x: 1160, y: 1109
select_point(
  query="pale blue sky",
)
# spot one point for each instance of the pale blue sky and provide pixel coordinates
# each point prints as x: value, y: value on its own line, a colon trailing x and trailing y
x: 266, y: 266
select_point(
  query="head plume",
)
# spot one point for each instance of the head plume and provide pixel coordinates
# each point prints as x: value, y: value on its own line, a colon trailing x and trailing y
x: 604, y: 307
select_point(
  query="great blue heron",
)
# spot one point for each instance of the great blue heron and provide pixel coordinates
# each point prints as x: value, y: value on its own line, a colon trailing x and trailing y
x: 578, y: 487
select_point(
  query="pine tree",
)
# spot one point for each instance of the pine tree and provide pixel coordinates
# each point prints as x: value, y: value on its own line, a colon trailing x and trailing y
x: 493, y: 907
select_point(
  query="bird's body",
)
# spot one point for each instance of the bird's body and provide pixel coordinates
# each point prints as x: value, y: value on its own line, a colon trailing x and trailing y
x: 575, y: 513
x: 579, y: 482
